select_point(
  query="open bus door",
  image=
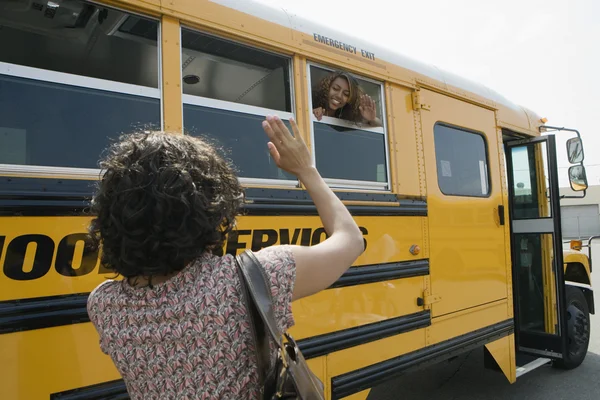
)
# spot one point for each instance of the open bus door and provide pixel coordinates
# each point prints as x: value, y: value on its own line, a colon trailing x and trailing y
x: 536, y: 241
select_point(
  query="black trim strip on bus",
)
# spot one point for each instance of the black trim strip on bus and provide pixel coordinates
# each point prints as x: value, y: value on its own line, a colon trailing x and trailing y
x: 360, y: 275
x: 328, y: 343
x: 113, y: 390
x: 43, y: 312
x: 54, y: 197
x: 403, y: 209
x: 373, y: 375
x: 44, y: 197
x: 298, y: 202
x: 47, y: 312
x: 281, y: 196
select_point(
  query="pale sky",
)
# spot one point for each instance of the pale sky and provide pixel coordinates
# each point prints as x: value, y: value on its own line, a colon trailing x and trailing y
x: 542, y: 54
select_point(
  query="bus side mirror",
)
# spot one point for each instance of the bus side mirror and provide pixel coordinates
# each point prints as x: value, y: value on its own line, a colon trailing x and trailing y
x: 575, y: 150
x: 578, y: 178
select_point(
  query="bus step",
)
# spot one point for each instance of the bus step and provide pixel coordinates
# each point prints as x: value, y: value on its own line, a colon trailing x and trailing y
x: 531, y: 366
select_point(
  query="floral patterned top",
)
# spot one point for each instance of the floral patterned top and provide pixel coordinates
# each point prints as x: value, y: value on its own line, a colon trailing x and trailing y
x: 189, y: 337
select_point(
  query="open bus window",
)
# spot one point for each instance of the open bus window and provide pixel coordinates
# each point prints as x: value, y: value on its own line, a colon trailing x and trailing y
x: 349, y: 135
x: 343, y: 96
x: 228, y: 89
x: 462, y: 163
x: 73, y: 75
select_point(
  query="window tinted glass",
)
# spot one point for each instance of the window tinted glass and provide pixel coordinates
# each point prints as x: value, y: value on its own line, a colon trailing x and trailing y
x: 51, y: 112
x: 224, y: 70
x: 348, y: 128
x: 50, y: 124
x: 228, y: 89
x: 344, y: 153
x: 526, y: 201
x: 80, y: 38
x: 532, y: 266
x: 239, y: 136
x: 461, y: 159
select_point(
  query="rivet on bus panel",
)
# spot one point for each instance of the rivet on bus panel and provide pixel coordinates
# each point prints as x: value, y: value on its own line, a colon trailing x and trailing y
x: 415, y: 249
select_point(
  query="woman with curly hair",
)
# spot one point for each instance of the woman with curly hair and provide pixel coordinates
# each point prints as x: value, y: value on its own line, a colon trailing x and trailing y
x: 176, y: 326
x: 339, y: 95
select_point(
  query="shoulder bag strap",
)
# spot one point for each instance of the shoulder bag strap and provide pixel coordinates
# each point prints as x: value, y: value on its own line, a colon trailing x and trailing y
x: 260, y: 292
x: 298, y: 379
x: 257, y: 328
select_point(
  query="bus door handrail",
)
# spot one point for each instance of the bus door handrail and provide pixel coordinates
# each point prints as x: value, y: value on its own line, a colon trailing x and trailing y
x: 589, y: 246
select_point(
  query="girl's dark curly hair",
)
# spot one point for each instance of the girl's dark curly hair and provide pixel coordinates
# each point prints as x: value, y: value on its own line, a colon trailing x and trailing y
x: 163, y: 200
x: 350, y: 111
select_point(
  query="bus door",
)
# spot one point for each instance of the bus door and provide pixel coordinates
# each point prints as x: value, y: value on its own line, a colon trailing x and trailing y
x: 538, y: 276
x: 468, y: 263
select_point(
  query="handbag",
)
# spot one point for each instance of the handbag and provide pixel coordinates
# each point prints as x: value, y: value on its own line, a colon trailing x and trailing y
x: 289, y: 377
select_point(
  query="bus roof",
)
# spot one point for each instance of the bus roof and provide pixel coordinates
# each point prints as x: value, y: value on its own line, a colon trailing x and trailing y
x: 413, y: 72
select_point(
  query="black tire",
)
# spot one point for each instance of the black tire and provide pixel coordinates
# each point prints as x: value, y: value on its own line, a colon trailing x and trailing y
x: 578, y: 331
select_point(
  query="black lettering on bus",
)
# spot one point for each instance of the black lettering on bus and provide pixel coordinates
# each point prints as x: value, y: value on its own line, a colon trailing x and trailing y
x: 15, y: 257
x: 316, y: 236
x: 66, y: 253
x: 262, y: 238
x: 306, y: 235
x: 233, y: 244
x: 335, y: 43
x: 16, y: 250
x: 365, y: 232
x: 284, y: 236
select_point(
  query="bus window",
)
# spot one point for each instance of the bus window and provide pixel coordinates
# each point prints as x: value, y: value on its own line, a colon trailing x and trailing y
x: 348, y: 129
x: 228, y: 89
x: 72, y: 76
x: 462, y: 163
x: 530, y: 182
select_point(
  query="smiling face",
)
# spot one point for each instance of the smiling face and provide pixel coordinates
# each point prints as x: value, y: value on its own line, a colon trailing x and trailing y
x: 339, y: 93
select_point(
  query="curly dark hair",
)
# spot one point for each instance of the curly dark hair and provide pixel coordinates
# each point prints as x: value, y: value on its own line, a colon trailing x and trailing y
x: 350, y: 111
x: 163, y: 200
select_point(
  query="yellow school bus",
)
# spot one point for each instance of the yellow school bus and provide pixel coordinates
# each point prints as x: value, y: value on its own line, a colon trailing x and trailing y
x: 456, y: 192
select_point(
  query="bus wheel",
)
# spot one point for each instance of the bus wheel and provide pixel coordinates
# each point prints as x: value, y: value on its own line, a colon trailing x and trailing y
x: 578, y: 331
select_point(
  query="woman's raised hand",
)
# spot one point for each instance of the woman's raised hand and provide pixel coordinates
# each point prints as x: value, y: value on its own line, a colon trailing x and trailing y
x: 290, y: 153
x: 319, y: 112
x: 367, y: 108
x: 318, y: 266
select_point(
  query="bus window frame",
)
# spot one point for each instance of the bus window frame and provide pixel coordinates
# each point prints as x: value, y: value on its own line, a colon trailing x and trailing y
x: 188, y: 99
x: 385, y: 187
x: 487, y: 159
x: 86, y: 82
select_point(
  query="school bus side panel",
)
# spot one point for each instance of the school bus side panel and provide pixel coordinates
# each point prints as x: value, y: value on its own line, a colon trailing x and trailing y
x: 45, y: 258
x: 467, y: 241
x: 40, y: 362
x: 403, y: 142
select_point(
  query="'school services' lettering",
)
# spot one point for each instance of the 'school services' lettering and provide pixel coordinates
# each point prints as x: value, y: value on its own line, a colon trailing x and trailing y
x: 47, y: 254
x: 343, y: 46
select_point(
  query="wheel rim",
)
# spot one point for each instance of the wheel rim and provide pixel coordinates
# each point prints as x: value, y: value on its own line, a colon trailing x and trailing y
x: 578, y: 329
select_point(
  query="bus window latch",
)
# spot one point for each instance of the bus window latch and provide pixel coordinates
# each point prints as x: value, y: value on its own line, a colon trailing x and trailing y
x: 428, y: 300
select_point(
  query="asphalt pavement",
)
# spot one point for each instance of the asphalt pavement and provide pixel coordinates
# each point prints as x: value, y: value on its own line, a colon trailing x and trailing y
x: 465, y: 378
